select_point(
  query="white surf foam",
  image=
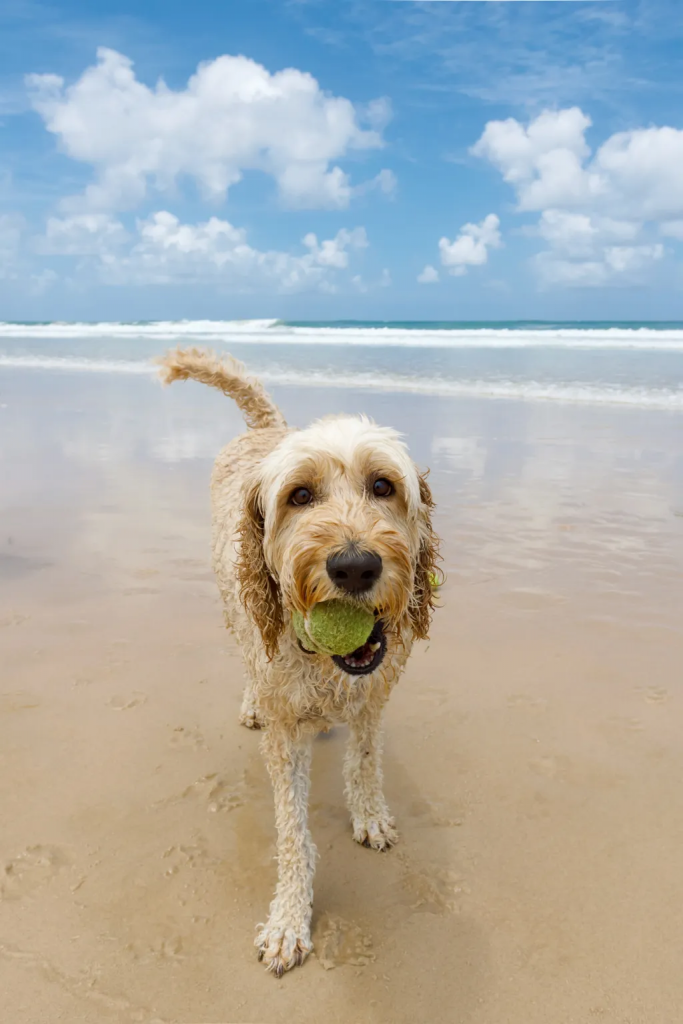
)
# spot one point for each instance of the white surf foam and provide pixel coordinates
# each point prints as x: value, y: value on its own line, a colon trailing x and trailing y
x: 273, y: 332
x: 579, y: 393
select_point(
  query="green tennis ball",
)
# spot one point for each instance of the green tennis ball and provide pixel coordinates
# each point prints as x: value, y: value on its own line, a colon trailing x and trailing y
x: 333, y: 627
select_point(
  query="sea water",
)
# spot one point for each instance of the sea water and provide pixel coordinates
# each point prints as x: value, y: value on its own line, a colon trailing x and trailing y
x: 635, y: 364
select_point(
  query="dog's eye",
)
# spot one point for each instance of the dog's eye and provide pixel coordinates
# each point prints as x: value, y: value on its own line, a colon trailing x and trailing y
x: 382, y: 488
x: 301, y: 496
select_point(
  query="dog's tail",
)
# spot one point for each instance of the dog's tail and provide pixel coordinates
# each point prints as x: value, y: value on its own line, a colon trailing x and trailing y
x: 229, y: 376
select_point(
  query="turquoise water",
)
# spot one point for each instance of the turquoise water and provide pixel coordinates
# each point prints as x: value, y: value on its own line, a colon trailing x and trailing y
x: 496, y: 325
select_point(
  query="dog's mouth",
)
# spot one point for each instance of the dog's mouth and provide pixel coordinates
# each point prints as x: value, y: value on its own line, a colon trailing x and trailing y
x: 367, y: 658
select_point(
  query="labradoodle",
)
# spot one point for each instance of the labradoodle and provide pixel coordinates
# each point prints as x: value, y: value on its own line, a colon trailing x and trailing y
x: 337, y: 510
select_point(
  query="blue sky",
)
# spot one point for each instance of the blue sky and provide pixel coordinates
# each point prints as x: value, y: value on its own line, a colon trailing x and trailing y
x: 383, y: 159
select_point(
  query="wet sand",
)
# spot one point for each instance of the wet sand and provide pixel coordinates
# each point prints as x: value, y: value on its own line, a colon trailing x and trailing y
x: 533, y: 754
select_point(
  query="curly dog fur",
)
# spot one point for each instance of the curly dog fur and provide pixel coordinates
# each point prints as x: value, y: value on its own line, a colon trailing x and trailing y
x: 270, y: 557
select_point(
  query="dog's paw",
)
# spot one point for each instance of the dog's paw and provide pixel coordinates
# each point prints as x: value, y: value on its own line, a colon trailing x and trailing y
x: 375, y: 833
x: 282, y: 948
x: 249, y: 718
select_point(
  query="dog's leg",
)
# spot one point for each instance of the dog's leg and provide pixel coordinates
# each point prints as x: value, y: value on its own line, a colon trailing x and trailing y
x: 248, y: 713
x: 372, y: 823
x: 285, y: 941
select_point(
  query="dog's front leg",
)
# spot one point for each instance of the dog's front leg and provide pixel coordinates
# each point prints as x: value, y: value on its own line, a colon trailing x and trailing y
x: 372, y: 823
x: 285, y: 941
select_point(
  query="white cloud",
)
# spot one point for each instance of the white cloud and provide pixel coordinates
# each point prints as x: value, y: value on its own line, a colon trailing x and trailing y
x: 430, y: 275
x: 166, y: 251
x: 384, y: 182
x: 233, y: 116
x: 624, y: 259
x: 544, y: 160
x: 577, y: 234
x: 471, y: 246
x: 634, y: 175
x: 619, y: 264
x: 591, y: 204
x: 81, y: 235
x: 334, y: 252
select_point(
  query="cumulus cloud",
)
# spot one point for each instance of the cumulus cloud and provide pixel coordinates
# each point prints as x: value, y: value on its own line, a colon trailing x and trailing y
x: 233, y: 116
x: 334, y: 252
x: 430, y: 275
x: 544, y: 160
x: 163, y: 250
x: 470, y: 248
x: 591, y: 204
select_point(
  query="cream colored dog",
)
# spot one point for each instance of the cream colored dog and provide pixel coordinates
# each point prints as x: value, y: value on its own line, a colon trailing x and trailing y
x: 337, y: 510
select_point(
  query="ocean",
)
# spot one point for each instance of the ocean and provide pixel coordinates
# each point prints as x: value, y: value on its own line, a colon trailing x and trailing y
x: 631, y: 364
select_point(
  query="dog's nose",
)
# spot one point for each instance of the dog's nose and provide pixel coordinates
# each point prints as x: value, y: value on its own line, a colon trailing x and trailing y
x: 353, y: 570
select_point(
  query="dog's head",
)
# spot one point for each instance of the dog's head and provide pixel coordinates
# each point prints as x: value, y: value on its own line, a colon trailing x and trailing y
x: 339, y: 510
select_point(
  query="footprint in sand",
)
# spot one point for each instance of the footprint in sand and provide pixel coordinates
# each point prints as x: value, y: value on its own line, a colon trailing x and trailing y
x: 170, y: 948
x: 121, y: 703
x: 338, y: 942
x: 428, y: 814
x: 622, y: 725
x: 433, y: 890
x: 582, y: 772
x: 219, y: 794
x: 654, y: 694
x: 179, y: 858
x: 184, y: 736
x: 83, y: 680
x: 14, y: 619
x: 30, y: 869
x: 215, y: 791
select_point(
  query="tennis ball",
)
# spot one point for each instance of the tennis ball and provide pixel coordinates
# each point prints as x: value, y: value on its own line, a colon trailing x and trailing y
x: 434, y: 581
x: 333, y: 627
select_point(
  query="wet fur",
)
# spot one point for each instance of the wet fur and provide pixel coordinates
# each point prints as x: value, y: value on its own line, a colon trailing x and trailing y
x: 269, y: 558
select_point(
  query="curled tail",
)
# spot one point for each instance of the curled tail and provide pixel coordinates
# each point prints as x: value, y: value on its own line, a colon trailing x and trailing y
x: 229, y: 376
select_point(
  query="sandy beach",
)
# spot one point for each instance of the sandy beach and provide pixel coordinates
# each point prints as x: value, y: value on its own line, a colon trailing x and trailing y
x: 533, y: 754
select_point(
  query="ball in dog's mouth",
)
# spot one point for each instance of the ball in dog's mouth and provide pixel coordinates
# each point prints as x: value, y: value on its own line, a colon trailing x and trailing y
x: 366, y: 658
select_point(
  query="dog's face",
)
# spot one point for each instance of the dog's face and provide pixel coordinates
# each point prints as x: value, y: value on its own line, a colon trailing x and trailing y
x: 339, y: 511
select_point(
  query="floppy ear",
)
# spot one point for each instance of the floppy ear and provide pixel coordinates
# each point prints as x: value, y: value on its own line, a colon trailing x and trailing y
x: 427, y: 572
x: 259, y: 592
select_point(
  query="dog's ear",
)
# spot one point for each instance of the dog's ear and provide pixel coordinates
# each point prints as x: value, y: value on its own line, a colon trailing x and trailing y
x: 428, y: 575
x: 259, y: 592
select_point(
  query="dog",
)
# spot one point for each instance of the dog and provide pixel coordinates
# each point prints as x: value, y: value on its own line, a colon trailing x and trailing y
x: 334, y: 511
